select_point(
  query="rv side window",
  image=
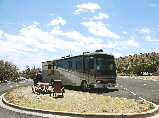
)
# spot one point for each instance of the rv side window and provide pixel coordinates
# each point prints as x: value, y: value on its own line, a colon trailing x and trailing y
x: 56, y: 64
x: 69, y: 64
x: 49, y: 66
x: 79, y: 64
x: 91, y: 64
x: 86, y: 64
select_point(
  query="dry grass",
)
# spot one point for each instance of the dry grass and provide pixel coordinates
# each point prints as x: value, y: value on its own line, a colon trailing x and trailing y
x: 75, y: 102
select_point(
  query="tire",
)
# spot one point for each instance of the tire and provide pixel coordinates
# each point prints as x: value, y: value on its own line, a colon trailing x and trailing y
x: 84, y: 85
x: 91, y: 87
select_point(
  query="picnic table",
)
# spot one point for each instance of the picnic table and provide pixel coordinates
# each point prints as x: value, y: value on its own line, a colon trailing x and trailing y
x: 46, y: 88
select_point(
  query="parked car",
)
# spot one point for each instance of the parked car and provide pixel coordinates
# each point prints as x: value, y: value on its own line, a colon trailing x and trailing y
x: 146, y: 74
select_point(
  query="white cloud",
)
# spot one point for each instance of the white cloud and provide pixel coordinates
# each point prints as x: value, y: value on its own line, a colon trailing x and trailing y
x: 116, y: 55
x: 144, y: 30
x: 5, y: 51
x: 152, y: 5
x: 36, y: 23
x: 24, y: 25
x: 56, y: 32
x: 94, y: 46
x: 1, y: 33
x: 24, y: 49
x: 34, y: 39
x: 86, y: 8
x: 99, y: 29
x: 124, y: 32
x: 33, y: 33
x: 57, y: 21
x: 19, y: 43
x: 132, y: 42
x: 76, y: 36
x: 111, y: 44
x: 100, y: 16
x: 148, y: 38
x: 57, y: 27
x: 122, y: 47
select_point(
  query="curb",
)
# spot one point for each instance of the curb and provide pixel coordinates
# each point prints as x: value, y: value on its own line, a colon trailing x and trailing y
x: 76, y: 114
x: 140, y: 78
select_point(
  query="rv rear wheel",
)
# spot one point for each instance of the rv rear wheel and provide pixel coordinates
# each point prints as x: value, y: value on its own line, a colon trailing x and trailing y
x: 84, y: 85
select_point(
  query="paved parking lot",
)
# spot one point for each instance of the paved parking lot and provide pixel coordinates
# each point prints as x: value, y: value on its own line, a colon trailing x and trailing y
x: 127, y: 87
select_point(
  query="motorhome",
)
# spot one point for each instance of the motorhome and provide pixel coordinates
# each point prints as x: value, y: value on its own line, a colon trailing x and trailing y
x: 88, y: 70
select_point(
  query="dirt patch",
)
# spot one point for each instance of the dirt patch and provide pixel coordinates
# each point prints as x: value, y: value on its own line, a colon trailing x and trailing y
x: 76, y: 102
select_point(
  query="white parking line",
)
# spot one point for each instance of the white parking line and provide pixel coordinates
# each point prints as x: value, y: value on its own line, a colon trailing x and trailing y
x: 135, y: 94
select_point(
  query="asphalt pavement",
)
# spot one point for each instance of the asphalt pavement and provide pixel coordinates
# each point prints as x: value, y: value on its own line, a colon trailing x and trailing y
x: 127, y: 87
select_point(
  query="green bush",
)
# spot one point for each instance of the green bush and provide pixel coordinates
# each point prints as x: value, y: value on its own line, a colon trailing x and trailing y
x: 141, y: 102
x: 151, y: 106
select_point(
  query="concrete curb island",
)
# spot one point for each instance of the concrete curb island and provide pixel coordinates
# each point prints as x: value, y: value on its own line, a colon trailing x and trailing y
x: 152, y: 78
x: 76, y: 114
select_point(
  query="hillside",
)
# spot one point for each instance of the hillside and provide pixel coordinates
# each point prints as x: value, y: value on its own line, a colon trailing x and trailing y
x: 133, y: 60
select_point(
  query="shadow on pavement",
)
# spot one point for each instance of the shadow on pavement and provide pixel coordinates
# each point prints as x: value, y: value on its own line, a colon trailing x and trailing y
x: 95, y: 90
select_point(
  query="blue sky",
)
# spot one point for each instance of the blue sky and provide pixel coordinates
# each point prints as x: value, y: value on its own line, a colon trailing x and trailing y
x: 33, y: 31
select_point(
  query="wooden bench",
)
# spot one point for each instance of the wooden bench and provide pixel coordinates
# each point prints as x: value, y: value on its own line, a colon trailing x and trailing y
x: 58, y: 88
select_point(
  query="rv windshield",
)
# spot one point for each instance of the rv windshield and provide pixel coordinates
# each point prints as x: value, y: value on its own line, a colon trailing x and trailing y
x: 105, y: 65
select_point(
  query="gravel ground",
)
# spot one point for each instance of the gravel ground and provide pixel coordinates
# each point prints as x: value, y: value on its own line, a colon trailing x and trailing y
x: 76, y: 102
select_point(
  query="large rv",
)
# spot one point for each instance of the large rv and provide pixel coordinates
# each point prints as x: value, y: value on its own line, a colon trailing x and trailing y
x: 89, y: 70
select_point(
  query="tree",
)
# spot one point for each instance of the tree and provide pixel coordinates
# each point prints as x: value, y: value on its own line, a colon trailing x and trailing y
x: 119, y: 69
x: 145, y: 68
x: 127, y: 70
x: 8, y: 71
x: 30, y: 73
x: 139, y: 68
x: 152, y: 68
x: 157, y: 62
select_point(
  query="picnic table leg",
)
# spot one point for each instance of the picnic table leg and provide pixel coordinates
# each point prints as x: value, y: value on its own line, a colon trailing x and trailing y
x: 54, y: 94
x: 32, y: 90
